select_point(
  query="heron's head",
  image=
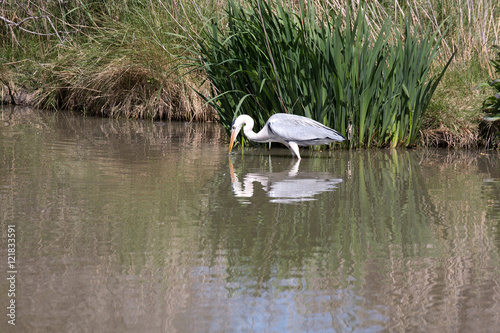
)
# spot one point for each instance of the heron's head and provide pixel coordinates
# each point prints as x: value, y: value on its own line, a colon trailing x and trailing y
x: 235, y: 129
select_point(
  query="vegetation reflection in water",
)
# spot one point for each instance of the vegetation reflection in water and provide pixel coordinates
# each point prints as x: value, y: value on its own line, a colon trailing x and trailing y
x: 126, y: 225
x: 392, y: 246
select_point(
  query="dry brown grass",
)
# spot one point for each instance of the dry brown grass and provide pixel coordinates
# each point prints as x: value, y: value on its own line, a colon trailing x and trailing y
x: 444, y: 137
x: 102, y: 59
x: 123, y: 89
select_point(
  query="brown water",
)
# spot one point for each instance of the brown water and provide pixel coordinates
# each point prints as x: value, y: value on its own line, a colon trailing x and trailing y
x: 131, y: 226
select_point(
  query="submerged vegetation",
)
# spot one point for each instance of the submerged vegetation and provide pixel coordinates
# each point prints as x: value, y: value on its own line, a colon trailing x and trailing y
x: 122, y: 59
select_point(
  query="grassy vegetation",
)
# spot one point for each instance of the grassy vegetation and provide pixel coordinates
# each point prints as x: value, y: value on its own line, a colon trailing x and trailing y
x: 120, y: 58
x: 372, y: 89
x: 111, y: 58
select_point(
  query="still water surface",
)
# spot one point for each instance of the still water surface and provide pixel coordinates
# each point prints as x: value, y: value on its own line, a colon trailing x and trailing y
x: 131, y: 226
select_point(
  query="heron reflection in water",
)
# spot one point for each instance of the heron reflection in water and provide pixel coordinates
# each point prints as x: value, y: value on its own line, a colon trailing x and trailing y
x: 285, y: 186
x: 291, y: 130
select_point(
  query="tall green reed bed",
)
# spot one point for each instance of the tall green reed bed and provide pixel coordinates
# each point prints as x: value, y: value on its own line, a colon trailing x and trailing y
x: 268, y: 58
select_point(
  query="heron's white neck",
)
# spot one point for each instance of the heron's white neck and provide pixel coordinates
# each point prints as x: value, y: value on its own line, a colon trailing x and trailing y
x: 248, y: 129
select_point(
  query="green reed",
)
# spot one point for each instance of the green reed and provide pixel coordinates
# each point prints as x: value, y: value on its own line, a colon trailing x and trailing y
x: 491, y: 105
x: 265, y: 58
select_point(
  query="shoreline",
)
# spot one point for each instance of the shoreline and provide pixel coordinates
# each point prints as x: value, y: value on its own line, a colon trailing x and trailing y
x: 481, y: 137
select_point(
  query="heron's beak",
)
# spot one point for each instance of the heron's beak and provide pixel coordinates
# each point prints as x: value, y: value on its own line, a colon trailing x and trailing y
x: 234, y: 133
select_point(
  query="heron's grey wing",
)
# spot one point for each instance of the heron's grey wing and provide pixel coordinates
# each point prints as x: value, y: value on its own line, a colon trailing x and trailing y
x: 302, y: 130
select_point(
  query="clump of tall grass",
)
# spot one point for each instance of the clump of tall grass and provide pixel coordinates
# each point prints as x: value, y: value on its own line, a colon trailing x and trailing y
x: 491, y: 106
x: 469, y: 29
x: 373, y: 90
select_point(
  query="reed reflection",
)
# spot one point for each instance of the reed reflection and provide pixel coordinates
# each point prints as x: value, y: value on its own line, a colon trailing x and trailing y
x: 286, y: 186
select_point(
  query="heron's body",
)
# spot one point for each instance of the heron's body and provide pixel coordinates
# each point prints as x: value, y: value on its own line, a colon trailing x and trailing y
x: 290, y: 130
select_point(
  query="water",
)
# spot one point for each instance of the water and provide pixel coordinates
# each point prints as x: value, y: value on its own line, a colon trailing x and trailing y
x: 127, y: 226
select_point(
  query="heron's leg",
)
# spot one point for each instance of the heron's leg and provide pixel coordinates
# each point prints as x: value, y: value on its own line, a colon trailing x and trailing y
x: 294, y: 148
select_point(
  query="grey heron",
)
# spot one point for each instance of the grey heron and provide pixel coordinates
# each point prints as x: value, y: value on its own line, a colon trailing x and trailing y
x: 291, y: 130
